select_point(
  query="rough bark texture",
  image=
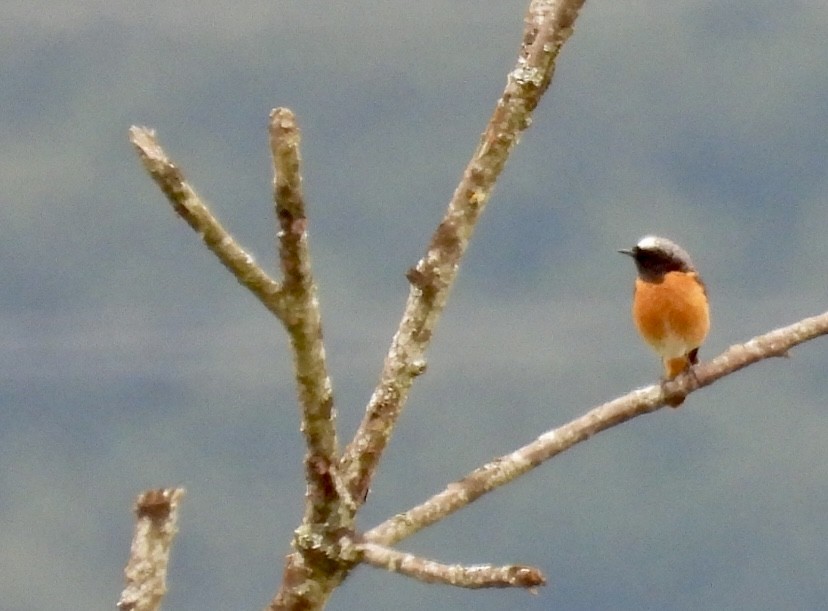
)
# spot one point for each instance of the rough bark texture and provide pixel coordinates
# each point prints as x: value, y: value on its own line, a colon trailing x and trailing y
x: 149, y: 557
x: 637, y: 403
x: 325, y: 545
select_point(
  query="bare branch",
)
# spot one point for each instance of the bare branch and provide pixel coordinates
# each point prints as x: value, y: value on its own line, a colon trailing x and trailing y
x: 642, y: 401
x: 548, y: 25
x: 303, y: 319
x: 293, y: 302
x: 328, y: 507
x: 189, y: 206
x: 317, y: 564
x: 146, y: 571
x: 429, y: 571
x: 308, y: 580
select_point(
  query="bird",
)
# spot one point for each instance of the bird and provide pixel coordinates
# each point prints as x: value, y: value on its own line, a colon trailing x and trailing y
x: 670, y: 308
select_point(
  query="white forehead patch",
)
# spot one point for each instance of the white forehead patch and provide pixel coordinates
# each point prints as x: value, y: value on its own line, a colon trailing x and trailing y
x: 649, y: 242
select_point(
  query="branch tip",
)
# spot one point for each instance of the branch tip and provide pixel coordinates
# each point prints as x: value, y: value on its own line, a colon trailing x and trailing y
x: 155, y: 529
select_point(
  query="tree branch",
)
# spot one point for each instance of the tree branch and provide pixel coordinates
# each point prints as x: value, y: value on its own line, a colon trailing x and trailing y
x: 155, y: 529
x: 189, y: 206
x: 548, y: 25
x: 429, y: 571
x: 303, y: 320
x: 328, y: 507
x: 317, y: 564
x: 642, y: 401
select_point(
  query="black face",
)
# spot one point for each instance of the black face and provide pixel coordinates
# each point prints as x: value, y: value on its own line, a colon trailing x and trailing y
x: 654, y: 263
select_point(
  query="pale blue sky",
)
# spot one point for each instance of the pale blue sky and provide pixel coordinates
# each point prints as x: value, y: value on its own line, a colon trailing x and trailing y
x: 133, y: 360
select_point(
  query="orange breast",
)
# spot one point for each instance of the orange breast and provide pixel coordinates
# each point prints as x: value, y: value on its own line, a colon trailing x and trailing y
x: 672, y: 315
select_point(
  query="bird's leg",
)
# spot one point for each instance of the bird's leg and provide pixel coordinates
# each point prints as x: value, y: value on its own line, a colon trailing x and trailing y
x: 673, y: 368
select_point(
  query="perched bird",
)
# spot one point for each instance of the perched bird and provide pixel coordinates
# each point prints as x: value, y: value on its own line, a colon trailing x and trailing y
x: 670, y: 306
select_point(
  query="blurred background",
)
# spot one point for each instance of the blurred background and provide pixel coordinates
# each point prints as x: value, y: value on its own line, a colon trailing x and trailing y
x: 131, y: 359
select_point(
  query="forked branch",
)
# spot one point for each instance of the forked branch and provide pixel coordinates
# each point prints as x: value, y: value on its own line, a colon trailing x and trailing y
x: 293, y: 301
x: 337, y: 486
x: 324, y: 552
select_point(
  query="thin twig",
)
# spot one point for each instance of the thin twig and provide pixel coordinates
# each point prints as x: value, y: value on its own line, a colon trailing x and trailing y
x: 155, y: 529
x: 189, y: 206
x: 548, y: 25
x: 642, y: 401
x: 317, y: 565
x: 303, y: 320
x: 429, y: 571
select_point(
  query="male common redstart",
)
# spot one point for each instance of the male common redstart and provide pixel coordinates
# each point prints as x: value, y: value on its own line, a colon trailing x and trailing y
x: 670, y: 306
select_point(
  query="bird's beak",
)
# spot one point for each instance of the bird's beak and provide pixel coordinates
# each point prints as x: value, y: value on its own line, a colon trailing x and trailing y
x: 627, y: 251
